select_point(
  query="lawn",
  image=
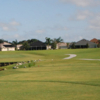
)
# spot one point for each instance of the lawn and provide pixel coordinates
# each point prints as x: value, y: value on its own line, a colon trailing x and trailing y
x: 52, y: 78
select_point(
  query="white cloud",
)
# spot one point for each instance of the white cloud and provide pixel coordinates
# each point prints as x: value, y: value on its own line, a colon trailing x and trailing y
x: 14, y: 23
x: 82, y: 3
x: 5, y: 28
x: 81, y: 15
x: 12, y: 26
x: 95, y: 22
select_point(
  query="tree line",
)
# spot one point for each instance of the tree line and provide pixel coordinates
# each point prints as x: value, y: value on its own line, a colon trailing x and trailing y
x: 26, y: 43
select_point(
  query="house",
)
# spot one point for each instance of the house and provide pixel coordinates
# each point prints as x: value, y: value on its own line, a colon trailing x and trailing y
x: 5, y: 46
x: 38, y: 45
x: 83, y: 44
x: 19, y: 46
x: 61, y: 45
x: 95, y: 41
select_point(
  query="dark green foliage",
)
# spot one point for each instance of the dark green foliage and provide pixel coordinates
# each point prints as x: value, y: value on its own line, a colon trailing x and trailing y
x: 73, y: 46
x: 48, y: 41
x: 98, y: 44
x: 14, y: 43
x: 58, y: 40
x: 30, y: 41
x: 54, y: 43
x: 29, y: 65
x: 25, y: 45
x: 87, y: 45
x: 67, y: 45
x: 21, y: 42
x: 25, y: 64
x: 2, y: 40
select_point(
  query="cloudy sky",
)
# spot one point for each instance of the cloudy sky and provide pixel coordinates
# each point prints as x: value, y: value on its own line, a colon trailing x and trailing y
x: 70, y: 19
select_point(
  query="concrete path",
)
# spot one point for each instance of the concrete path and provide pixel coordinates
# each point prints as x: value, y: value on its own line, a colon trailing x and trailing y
x: 74, y: 55
x: 70, y: 56
x: 90, y: 59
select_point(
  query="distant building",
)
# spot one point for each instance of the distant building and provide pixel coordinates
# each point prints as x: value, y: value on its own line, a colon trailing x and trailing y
x: 83, y: 44
x: 5, y: 46
x: 61, y: 45
x: 95, y: 41
x: 38, y: 45
x: 19, y: 46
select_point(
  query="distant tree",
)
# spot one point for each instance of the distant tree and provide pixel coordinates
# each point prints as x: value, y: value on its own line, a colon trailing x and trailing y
x: 54, y: 43
x: 25, y: 45
x: 30, y: 41
x: 58, y: 40
x: 21, y: 42
x: 48, y: 41
x: 14, y: 43
x: 73, y: 46
x: 87, y: 45
x: 98, y: 43
x: 67, y: 45
x: 1, y: 40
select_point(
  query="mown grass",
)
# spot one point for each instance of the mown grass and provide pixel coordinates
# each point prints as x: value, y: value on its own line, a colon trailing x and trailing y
x: 52, y: 78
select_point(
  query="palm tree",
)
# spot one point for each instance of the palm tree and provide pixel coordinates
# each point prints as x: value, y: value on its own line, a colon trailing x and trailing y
x: 48, y: 41
x: 58, y: 40
x: 14, y: 43
x: 54, y: 42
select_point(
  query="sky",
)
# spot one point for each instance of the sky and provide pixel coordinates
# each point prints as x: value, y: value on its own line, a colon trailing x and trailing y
x: 72, y: 20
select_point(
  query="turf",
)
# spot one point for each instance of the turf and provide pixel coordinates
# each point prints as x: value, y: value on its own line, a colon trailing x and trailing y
x: 52, y: 78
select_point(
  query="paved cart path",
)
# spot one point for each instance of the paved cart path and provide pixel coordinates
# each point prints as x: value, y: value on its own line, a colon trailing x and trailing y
x: 74, y: 55
x: 70, y: 56
x: 90, y: 59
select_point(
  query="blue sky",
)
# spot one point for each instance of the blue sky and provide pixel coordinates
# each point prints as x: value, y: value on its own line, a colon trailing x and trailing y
x: 70, y: 19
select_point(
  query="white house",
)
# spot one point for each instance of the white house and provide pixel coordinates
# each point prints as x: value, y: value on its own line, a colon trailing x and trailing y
x: 19, y: 46
x: 5, y: 46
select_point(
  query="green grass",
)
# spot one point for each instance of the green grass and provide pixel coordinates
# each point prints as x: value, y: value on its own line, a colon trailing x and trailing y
x: 56, y: 79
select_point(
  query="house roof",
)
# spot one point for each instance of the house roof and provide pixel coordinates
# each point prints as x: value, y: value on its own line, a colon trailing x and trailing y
x: 38, y: 44
x: 94, y: 40
x: 84, y: 42
x: 8, y: 45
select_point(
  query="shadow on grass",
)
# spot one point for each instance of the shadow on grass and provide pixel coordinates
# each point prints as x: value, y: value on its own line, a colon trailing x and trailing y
x: 50, y: 81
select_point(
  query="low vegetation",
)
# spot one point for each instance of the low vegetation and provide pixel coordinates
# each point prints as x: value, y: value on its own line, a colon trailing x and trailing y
x: 50, y: 77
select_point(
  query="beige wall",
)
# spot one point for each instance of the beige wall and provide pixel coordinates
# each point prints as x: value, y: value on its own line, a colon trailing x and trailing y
x: 60, y: 45
x: 8, y: 49
x: 19, y: 46
x: 48, y: 47
x: 4, y: 49
x: 11, y: 49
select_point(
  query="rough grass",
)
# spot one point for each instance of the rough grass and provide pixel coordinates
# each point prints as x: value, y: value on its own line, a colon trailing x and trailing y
x: 52, y: 78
